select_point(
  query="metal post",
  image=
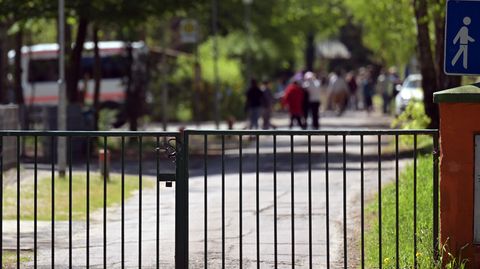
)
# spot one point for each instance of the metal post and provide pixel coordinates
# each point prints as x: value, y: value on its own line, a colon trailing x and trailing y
x: 215, y: 61
x: 181, y: 203
x: 62, y: 101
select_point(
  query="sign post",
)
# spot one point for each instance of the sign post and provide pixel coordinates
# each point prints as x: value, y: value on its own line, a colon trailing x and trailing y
x: 62, y: 101
x: 462, y: 37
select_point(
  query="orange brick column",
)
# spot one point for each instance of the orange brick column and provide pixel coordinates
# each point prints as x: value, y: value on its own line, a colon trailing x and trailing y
x: 459, y: 122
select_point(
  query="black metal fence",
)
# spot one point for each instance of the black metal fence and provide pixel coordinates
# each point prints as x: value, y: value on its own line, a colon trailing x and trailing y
x: 241, y: 199
x: 304, y: 198
x: 75, y: 226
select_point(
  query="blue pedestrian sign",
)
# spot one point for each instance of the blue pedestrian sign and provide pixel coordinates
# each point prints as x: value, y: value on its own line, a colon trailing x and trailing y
x: 462, y: 37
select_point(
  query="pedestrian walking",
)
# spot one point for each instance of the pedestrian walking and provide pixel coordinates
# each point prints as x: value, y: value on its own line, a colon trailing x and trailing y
x: 269, y: 101
x: 384, y: 88
x: 353, y: 87
x: 293, y: 100
x: 368, y: 90
x: 313, y: 87
x: 339, y: 92
x: 254, y: 104
x: 395, y: 80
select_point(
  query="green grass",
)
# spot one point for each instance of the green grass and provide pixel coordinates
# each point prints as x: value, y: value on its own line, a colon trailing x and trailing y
x: 79, y: 195
x: 9, y: 258
x: 405, y: 144
x: 424, y: 251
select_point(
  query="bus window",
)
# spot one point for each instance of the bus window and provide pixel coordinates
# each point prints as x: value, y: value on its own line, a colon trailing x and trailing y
x: 42, y: 70
x: 114, y: 67
x: 46, y: 70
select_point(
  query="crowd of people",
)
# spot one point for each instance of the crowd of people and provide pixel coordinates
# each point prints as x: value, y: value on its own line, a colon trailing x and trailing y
x: 307, y: 94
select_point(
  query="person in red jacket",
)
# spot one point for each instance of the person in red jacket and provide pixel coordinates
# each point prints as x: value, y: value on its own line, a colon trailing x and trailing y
x: 293, y: 100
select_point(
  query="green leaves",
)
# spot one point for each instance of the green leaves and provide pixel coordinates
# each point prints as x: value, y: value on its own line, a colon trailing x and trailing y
x: 389, y: 28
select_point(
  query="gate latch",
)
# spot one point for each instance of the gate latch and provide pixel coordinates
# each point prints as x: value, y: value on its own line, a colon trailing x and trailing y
x: 167, y: 178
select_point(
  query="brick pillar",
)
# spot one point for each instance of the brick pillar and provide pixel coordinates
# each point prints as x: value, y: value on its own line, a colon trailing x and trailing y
x: 459, y: 122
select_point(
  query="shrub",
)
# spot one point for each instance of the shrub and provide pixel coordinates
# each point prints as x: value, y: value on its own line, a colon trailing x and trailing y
x: 413, y: 117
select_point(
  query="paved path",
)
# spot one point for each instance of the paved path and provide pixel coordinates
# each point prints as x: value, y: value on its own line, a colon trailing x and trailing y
x: 197, y: 228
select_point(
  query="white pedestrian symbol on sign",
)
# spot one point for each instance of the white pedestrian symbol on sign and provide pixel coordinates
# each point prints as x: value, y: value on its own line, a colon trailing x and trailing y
x: 464, y: 39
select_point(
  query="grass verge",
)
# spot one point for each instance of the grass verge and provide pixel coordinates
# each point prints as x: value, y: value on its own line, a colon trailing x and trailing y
x: 79, y: 196
x: 10, y: 258
x: 424, y: 205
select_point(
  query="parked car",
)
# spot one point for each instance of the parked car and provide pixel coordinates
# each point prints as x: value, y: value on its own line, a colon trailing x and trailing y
x: 411, y: 90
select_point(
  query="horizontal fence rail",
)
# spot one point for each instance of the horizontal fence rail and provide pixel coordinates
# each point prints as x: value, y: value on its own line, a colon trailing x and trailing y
x: 104, y: 210
x: 220, y: 199
x: 312, y: 199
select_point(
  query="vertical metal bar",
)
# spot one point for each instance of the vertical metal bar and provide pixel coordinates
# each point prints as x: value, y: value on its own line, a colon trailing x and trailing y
x: 292, y: 198
x: 157, y: 243
x: 89, y: 149
x: 105, y: 155
x: 35, y: 198
x: 397, y: 243
x: 380, y: 260
x: 327, y: 202
x: 140, y: 183
x: 310, y: 201
x: 257, y: 198
x: 240, y: 187
x: 345, y: 247
x: 223, y: 201
x: 1, y: 200
x: 52, y: 154
x: 415, y: 261
x: 362, y: 201
x: 69, y: 150
x: 181, y: 204
x: 123, y: 203
x: 275, y: 228
x: 18, y: 201
x: 205, y: 199
x: 436, y: 154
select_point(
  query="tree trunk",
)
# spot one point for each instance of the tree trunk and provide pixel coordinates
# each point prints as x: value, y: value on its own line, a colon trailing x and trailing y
x: 3, y: 64
x: 18, y: 68
x: 75, y: 61
x: 427, y: 65
x: 310, y: 52
x: 97, y: 75
x: 131, y: 96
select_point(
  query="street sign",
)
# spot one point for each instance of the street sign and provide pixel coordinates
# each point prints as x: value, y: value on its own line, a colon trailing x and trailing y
x: 462, y: 37
x: 188, y: 31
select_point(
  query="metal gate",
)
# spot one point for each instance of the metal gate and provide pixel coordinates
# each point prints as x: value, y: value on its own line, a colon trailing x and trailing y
x: 229, y: 199
x: 311, y: 199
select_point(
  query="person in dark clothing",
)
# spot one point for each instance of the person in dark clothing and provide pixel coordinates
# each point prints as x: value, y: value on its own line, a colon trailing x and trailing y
x: 254, y: 104
x: 368, y: 87
x: 353, y: 86
x: 268, y: 105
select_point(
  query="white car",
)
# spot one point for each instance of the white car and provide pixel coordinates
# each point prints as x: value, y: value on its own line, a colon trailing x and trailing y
x: 411, y: 90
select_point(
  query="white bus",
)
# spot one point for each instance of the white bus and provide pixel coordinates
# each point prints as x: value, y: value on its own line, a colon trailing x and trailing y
x: 40, y: 71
